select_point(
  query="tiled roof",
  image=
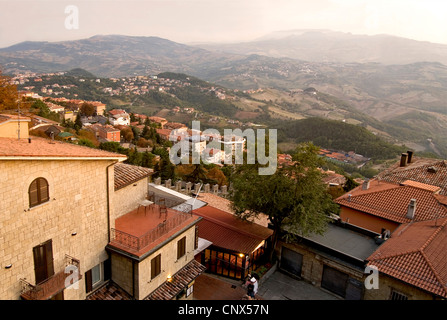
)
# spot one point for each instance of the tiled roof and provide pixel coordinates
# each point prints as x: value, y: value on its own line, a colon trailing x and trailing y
x: 428, y: 171
x: 110, y: 292
x: 46, y: 148
x: 227, y: 231
x: 9, y: 117
x: 391, y: 202
x: 126, y: 174
x: 225, y: 205
x: 179, y: 281
x: 416, y: 253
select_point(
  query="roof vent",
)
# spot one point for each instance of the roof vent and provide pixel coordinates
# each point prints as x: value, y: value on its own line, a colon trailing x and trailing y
x: 403, y: 159
x: 365, y: 185
x: 432, y: 169
x: 410, y: 156
x: 411, y: 209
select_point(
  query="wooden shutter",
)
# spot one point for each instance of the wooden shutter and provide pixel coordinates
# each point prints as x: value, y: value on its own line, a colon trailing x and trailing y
x: 43, y: 261
x: 88, y: 281
x: 181, y: 247
x: 155, y: 266
x: 33, y: 194
x: 38, y: 192
x: 107, y: 270
x: 43, y: 190
x: 196, y: 240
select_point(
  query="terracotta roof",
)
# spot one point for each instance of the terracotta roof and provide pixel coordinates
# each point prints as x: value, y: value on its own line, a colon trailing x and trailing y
x: 225, y: 205
x: 170, y: 289
x: 13, y: 148
x: 416, y: 253
x: 10, y: 117
x: 390, y: 201
x: 424, y: 170
x: 110, y: 291
x: 225, y: 230
x: 126, y: 174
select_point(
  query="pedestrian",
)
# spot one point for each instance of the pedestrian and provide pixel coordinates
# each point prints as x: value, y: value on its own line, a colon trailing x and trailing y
x: 255, y: 285
x: 250, y: 290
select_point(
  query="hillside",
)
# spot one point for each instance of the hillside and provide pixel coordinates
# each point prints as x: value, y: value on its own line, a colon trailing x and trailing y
x: 337, y: 47
x: 338, y: 135
x: 404, y: 103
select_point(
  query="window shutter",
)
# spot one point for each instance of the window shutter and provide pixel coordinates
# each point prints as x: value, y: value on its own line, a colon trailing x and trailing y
x: 33, y: 194
x: 43, y: 190
x: 181, y: 247
x: 155, y: 266
x: 196, y: 240
x: 88, y: 281
x: 38, y: 192
x: 107, y: 270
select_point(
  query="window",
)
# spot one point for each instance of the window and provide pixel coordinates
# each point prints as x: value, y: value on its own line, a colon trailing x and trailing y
x: 395, y: 295
x: 181, y: 247
x: 38, y: 192
x: 93, y: 278
x: 96, y: 274
x: 155, y: 266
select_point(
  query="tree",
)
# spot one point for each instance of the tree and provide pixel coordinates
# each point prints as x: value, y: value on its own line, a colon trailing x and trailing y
x: 87, y: 109
x: 8, y: 93
x: 294, y: 198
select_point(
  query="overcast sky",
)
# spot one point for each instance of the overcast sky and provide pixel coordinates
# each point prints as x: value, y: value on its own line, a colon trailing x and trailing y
x: 187, y: 21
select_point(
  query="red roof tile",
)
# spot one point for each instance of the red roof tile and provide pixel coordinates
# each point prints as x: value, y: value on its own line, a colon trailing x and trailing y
x: 416, y: 253
x: 170, y: 289
x: 45, y: 148
x: 391, y: 202
x: 227, y: 231
x: 428, y: 171
x: 110, y: 292
x: 126, y: 174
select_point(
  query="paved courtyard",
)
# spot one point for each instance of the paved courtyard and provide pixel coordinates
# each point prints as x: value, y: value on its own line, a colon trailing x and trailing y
x: 278, y: 286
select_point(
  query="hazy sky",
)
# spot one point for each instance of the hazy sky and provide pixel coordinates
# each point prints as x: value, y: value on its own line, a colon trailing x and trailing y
x: 188, y: 21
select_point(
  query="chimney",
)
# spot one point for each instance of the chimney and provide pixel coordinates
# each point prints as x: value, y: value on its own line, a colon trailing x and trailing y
x: 403, y: 159
x: 410, y: 156
x: 411, y: 209
x: 365, y: 185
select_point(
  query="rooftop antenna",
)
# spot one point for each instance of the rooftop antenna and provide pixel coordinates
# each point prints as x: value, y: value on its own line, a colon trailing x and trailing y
x: 18, y: 120
x: 197, y: 195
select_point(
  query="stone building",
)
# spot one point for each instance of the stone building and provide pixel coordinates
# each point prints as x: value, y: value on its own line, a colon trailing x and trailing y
x: 65, y: 209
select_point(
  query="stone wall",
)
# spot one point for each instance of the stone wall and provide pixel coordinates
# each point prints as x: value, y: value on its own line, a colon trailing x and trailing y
x: 128, y: 198
x: 188, y: 188
x: 75, y: 218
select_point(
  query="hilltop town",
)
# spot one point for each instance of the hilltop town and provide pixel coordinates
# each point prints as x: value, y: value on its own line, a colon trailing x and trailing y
x: 94, y: 209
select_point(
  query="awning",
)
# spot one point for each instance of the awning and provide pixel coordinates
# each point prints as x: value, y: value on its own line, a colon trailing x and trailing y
x: 179, y: 281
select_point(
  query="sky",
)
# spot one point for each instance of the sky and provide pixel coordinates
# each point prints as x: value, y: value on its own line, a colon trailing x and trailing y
x: 195, y: 21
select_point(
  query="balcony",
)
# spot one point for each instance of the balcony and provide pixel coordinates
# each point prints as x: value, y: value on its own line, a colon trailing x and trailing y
x: 54, y: 284
x: 143, y: 228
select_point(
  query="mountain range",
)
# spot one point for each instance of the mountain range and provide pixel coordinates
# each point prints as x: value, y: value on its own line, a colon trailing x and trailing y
x: 394, y: 86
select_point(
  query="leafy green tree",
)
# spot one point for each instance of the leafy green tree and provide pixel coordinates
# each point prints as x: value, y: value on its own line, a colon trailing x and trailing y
x: 294, y: 198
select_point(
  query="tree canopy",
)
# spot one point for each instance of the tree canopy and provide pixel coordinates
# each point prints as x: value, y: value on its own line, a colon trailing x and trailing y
x: 8, y: 93
x: 294, y: 198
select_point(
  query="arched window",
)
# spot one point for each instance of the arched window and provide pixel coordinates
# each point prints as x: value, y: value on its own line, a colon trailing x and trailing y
x: 38, y: 192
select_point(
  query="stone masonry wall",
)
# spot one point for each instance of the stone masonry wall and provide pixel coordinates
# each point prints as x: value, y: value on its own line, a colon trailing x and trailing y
x: 78, y: 205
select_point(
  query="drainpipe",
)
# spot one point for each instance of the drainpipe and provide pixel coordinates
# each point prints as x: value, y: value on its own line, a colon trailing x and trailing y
x: 108, y: 199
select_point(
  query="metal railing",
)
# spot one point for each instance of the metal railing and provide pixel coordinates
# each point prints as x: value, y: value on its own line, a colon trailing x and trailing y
x: 138, y: 243
x: 54, y: 284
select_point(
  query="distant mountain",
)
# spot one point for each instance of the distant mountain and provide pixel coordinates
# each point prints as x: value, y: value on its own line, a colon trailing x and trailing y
x: 339, y: 47
x: 108, y: 56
